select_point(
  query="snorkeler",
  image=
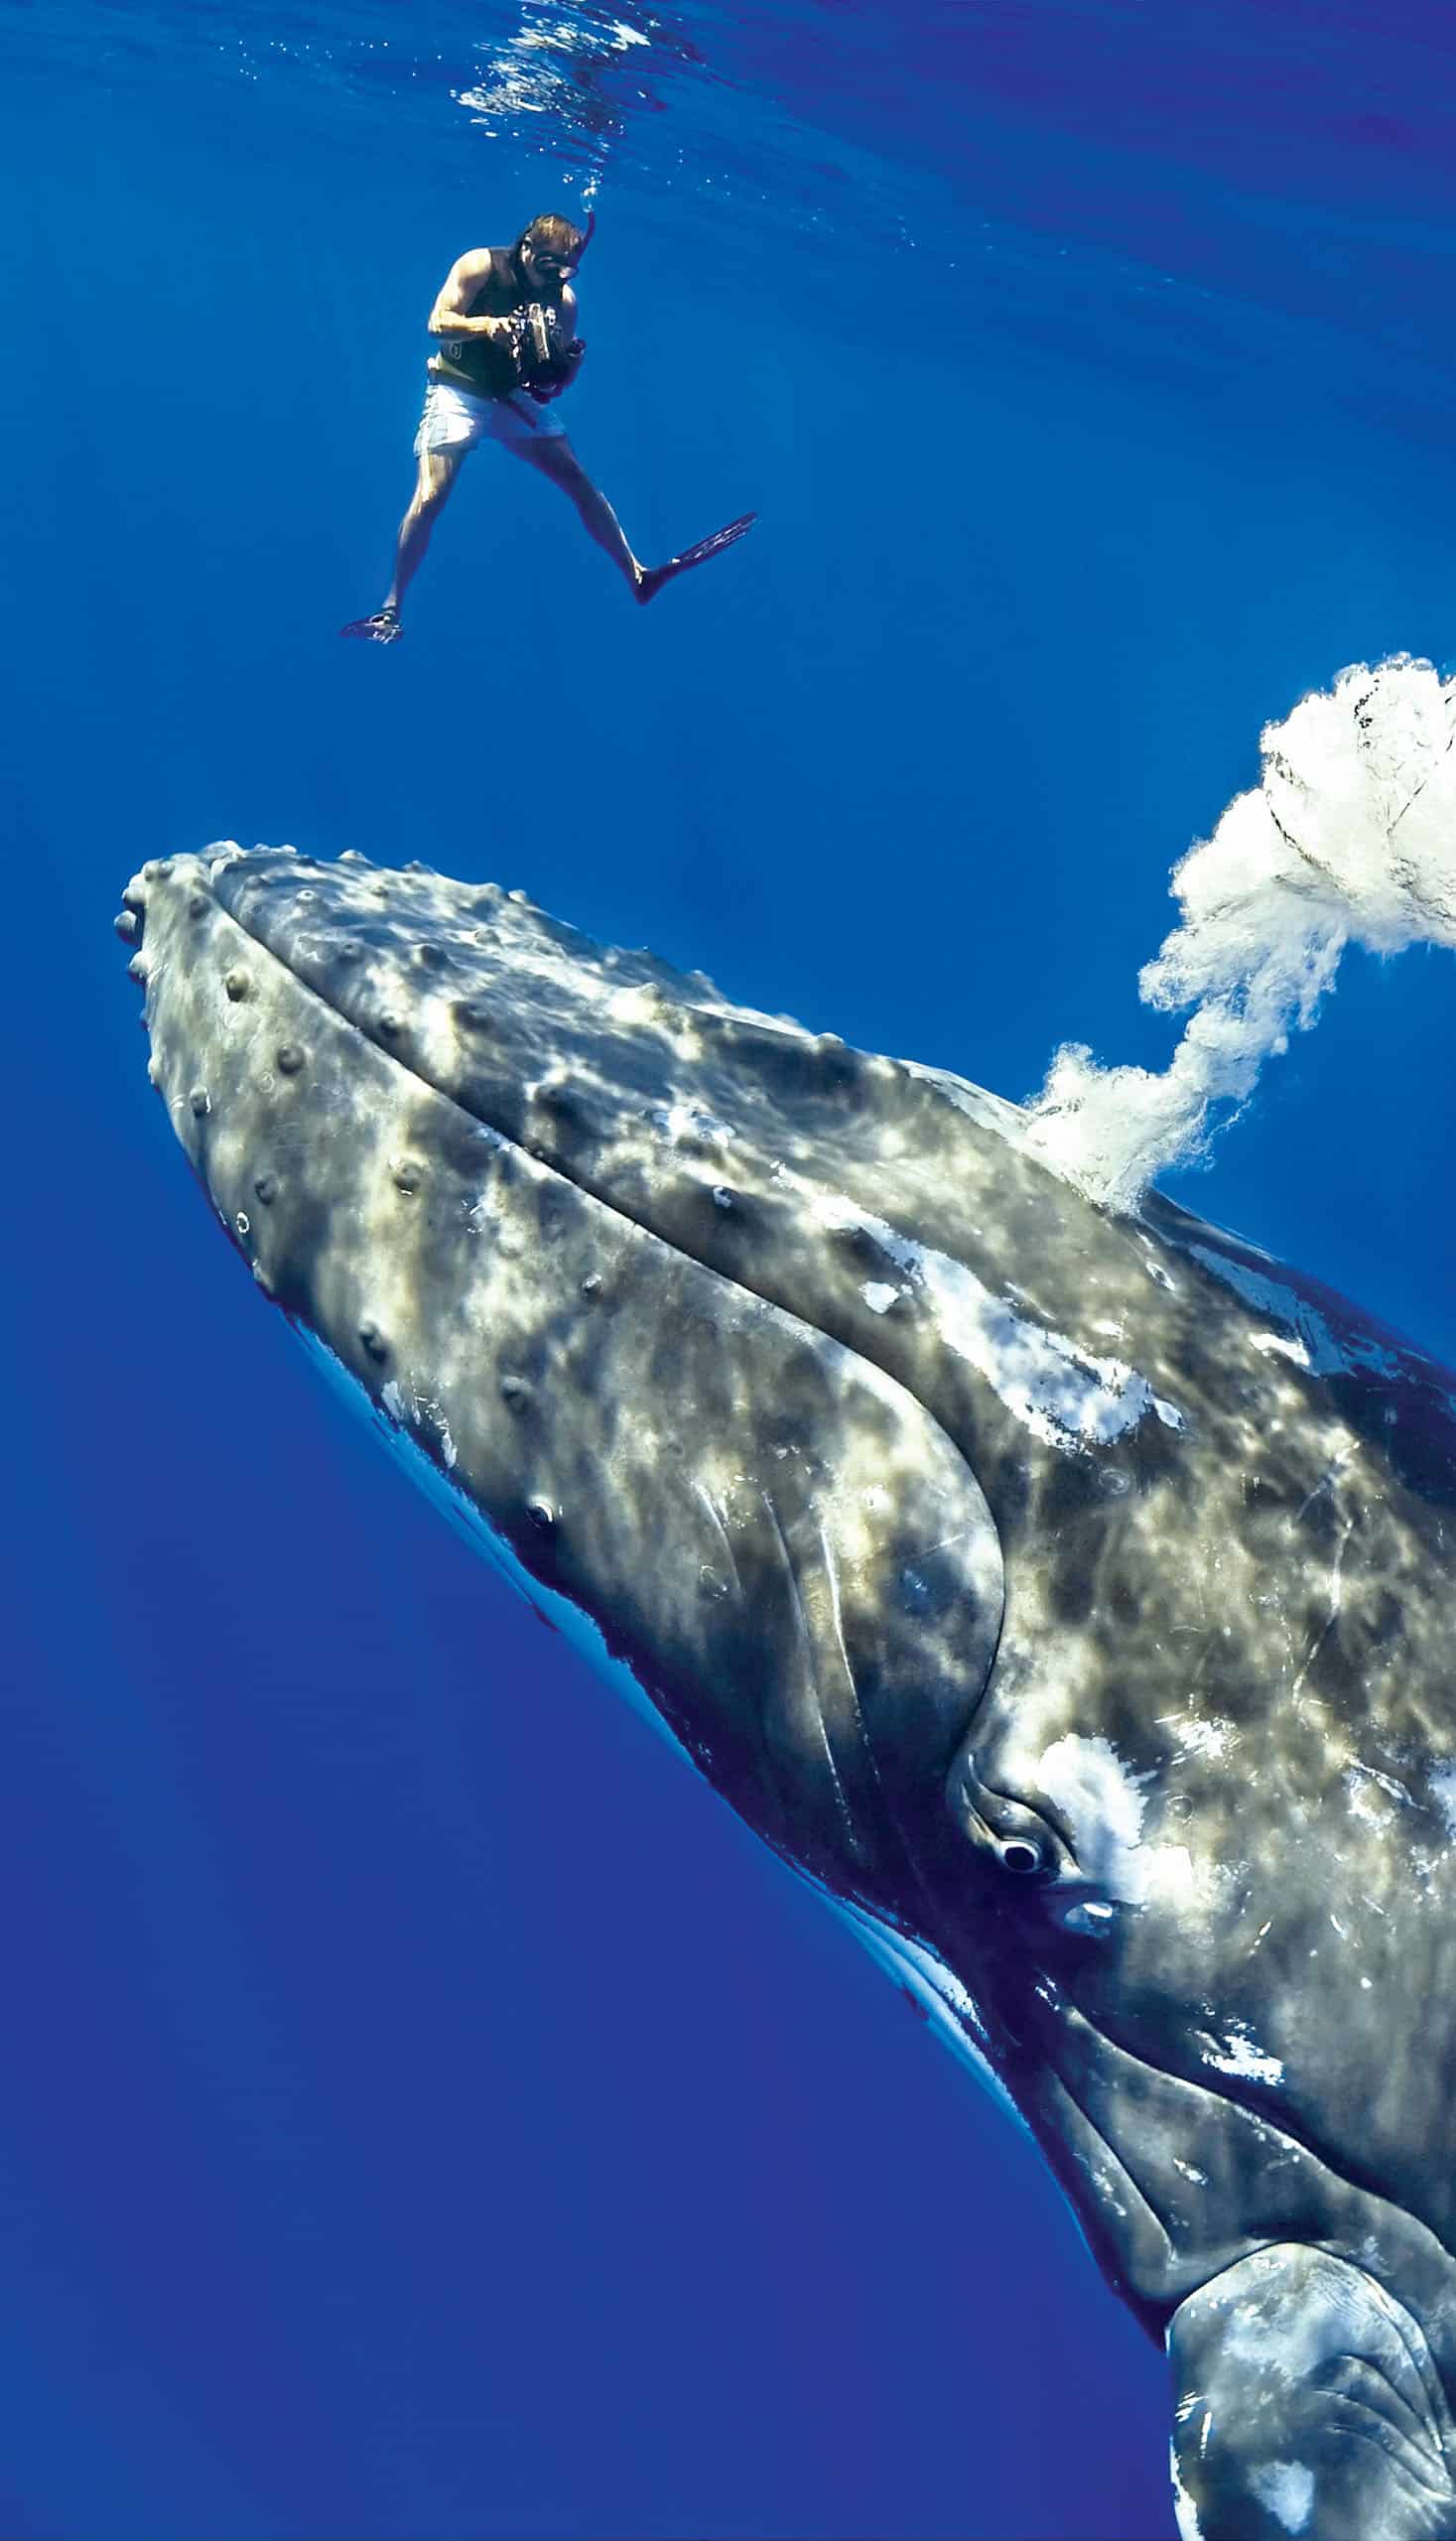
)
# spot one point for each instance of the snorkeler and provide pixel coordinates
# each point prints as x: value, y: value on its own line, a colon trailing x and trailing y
x: 505, y: 322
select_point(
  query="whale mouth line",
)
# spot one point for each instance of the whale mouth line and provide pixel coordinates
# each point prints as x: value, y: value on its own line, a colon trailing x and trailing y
x: 749, y: 1143
x: 250, y: 888
x: 541, y: 1154
x: 1300, y: 2141
x: 627, y: 1002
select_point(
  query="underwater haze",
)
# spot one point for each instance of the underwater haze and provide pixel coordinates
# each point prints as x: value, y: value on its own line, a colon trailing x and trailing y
x: 427, y: 2111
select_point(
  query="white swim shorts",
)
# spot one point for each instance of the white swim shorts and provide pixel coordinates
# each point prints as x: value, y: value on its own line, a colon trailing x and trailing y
x: 455, y: 419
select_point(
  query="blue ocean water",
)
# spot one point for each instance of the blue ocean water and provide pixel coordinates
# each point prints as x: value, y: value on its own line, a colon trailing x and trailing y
x: 427, y: 2112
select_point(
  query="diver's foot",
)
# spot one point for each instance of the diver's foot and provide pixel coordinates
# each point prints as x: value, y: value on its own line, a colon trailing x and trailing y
x: 652, y: 577
x: 382, y: 628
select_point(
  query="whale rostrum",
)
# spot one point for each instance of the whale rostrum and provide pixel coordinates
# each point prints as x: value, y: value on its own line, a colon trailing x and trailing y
x: 1068, y: 1596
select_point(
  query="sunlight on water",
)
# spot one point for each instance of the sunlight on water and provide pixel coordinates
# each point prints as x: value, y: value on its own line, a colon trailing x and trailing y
x: 914, y: 129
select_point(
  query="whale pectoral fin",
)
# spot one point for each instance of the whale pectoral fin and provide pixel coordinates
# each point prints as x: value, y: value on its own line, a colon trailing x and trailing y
x: 1307, y: 2402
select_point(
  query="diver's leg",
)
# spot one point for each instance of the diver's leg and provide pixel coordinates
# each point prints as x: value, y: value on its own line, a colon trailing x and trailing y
x: 439, y: 470
x: 554, y: 455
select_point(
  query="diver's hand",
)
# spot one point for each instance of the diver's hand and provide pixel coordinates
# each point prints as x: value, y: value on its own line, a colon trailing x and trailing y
x: 477, y: 327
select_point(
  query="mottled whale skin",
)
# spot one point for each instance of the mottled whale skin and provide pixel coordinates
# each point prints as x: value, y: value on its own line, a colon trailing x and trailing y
x: 1068, y: 1596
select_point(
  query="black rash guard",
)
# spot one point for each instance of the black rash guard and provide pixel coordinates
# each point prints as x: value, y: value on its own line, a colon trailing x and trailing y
x: 483, y: 364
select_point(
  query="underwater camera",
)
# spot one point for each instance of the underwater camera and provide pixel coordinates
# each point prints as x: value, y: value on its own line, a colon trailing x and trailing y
x: 538, y: 337
x: 546, y: 362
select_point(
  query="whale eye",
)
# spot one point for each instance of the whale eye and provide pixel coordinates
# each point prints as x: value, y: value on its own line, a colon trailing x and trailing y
x: 1020, y: 1854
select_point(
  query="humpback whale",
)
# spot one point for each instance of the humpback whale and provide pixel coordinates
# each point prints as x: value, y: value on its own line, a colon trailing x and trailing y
x: 1065, y: 1595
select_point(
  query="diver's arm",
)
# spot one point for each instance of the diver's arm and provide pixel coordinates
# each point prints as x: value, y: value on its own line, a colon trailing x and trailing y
x: 567, y: 316
x: 448, y: 317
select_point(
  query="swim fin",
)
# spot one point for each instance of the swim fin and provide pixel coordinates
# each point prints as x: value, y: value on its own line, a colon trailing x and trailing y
x: 657, y: 574
x: 382, y: 628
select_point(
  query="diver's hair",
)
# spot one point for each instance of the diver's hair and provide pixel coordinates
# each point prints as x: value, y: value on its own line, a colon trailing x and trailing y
x: 557, y: 236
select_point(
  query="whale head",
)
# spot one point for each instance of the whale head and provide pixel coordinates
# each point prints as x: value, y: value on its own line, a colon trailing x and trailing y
x: 1066, y: 1595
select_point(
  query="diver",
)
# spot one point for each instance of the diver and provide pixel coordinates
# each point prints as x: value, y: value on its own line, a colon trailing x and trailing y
x: 506, y: 327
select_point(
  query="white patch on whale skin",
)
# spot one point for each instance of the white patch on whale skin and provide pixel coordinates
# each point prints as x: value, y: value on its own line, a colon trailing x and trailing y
x: 1239, y: 2054
x: 1189, y: 2527
x: 878, y: 1295
x: 1442, y: 1780
x: 1103, y: 1804
x: 1064, y: 1397
x: 1196, y: 1736
x: 420, y: 1407
x: 1288, y: 2489
x: 632, y: 1005
x: 1170, y: 1874
x: 1311, y: 1337
x: 1370, y: 1791
x: 1095, y: 1789
x: 1278, y: 1345
x: 1252, y: 2337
